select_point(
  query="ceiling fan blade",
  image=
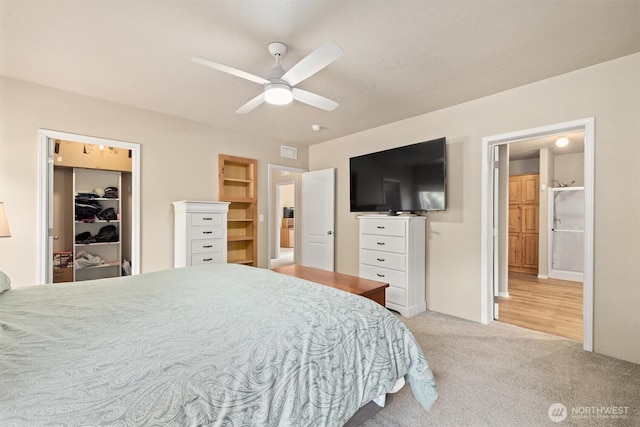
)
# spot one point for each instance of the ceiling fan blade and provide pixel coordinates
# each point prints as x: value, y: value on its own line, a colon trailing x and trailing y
x: 313, y: 99
x: 312, y: 63
x: 249, y: 106
x: 229, y: 70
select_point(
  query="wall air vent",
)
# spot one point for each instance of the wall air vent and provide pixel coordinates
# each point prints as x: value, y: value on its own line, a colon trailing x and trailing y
x: 288, y: 152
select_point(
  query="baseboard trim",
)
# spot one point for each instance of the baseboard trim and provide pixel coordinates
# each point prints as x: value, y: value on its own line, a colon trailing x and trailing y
x: 573, y: 276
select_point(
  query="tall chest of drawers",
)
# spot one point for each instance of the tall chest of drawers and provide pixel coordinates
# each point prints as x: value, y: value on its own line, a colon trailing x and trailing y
x: 200, y: 232
x: 392, y: 250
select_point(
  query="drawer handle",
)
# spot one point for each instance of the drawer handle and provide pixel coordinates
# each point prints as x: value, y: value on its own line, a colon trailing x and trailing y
x: 380, y: 227
x: 207, y: 259
x: 207, y: 232
x: 381, y: 243
x: 379, y: 275
x: 207, y: 218
x: 207, y: 246
x: 380, y: 259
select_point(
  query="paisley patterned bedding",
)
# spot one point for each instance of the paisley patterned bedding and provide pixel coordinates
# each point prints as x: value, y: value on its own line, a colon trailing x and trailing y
x: 223, y: 345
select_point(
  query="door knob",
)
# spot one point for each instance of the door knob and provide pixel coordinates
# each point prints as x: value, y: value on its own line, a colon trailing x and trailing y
x: 329, y: 232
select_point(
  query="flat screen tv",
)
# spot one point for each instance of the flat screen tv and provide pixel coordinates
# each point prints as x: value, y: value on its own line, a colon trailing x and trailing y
x: 404, y: 179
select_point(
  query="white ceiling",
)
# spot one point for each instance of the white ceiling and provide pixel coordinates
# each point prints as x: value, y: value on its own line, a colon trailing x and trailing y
x: 530, y: 149
x: 401, y: 58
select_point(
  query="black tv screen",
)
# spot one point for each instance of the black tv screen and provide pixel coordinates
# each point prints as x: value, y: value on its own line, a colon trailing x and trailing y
x: 404, y: 179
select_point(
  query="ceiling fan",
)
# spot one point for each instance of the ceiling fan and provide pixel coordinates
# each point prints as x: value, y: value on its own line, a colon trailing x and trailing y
x: 279, y: 86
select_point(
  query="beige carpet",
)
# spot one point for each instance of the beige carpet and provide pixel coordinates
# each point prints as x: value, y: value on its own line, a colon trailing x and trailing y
x: 504, y: 375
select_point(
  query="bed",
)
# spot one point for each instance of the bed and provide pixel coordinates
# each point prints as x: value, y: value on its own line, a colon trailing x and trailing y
x: 220, y: 344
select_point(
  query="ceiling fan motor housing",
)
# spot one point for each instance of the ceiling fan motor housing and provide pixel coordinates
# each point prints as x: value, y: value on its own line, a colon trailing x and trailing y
x: 276, y: 74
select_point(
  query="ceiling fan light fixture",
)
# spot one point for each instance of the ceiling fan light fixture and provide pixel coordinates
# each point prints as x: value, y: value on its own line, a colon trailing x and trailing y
x: 279, y: 87
x: 278, y: 94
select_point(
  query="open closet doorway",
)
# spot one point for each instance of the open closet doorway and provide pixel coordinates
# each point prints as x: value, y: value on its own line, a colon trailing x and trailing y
x: 285, y: 239
x: 285, y: 192
x: 498, y: 243
x: 89, y: 187
x: 530, y: 294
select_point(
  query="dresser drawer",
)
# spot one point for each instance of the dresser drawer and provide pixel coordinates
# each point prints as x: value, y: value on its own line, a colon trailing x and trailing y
x: 206, y: 232
x: 208, y: 257
x: 206, y: 245
x: 383, y: 259
x: 384, y: 227
x: 394, y: 278
x: 382, y: 243
x: 396, y: 295
x: 206, y: 219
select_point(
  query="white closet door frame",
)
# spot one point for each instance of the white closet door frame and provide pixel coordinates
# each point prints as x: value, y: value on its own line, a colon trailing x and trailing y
x: 45, y: 199
x: 487, y: 211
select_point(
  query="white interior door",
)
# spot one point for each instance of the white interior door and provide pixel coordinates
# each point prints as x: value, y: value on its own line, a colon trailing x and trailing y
x: 496, y: 227
x: 277, y: 218
x: 48, y: 259
x: 318, y: 219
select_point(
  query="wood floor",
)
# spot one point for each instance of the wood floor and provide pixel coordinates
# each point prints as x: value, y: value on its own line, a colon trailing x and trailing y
x: 547, y: 305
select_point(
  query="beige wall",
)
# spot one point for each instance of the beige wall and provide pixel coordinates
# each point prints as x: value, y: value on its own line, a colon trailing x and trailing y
x: 523, y: 167
x: 569, y: 167
x: 610, y: 92
x: 286, y: 196
x: 178, y: 161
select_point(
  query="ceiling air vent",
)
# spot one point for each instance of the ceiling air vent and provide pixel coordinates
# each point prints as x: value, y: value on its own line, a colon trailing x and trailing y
x: 288, y: 152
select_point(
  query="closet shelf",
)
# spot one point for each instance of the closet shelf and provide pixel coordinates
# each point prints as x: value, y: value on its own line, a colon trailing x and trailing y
x: 107, y: 247
x: 239, y: 238
x: 247, y: 200
x: 105, y: 265
x: 97, y: 244
x: 246, y: 181
x: 240, y: 261
x: 104, y: 199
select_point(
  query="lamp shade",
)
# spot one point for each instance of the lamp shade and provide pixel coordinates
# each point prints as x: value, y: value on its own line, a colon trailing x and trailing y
x: 4, y: 224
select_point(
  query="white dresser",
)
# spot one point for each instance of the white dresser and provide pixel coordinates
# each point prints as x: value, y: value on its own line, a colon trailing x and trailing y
x: 392, y: 250
x: 200, y: 232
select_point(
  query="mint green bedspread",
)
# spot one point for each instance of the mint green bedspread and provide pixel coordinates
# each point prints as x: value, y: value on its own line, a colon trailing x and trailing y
x: 223, y: 345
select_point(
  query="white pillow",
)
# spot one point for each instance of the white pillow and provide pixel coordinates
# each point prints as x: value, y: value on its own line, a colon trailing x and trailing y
x: 5, y: 283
